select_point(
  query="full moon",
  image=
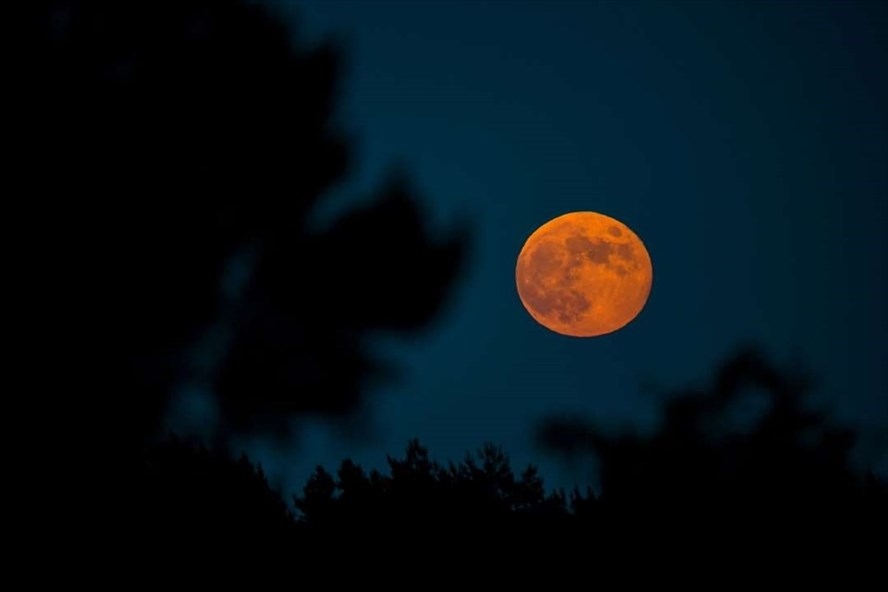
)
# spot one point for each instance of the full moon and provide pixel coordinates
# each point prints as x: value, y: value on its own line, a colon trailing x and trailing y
x: 583, y: 274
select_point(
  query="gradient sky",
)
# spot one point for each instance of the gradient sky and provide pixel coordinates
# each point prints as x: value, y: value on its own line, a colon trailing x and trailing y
x: 746, y: 143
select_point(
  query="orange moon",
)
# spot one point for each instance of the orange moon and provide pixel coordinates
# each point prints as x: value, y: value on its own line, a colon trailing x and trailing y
x: 584, y: 274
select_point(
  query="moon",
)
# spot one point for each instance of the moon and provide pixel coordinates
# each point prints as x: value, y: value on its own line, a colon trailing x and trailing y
x: 584, y: 274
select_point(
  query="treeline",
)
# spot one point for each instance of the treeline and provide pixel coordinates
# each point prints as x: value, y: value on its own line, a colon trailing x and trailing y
x: 782, y: 476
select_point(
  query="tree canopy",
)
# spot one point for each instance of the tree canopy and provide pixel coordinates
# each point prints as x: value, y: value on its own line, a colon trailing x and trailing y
x: 785, y: 472
x: 172, y: 154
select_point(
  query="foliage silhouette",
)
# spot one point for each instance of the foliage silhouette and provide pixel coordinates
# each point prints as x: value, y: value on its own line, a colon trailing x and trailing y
x: 701, y: 483
x: 419, y: 497
x: 189, y: 489
x: 724, y: 492
x: 785, y: 471
x: 173, y: 144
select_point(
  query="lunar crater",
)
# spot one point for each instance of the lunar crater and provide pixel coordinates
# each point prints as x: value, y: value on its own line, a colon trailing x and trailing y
x: 574, y: 278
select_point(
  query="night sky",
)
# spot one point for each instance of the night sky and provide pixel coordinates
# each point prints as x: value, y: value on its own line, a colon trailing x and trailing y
x: 745, y: 143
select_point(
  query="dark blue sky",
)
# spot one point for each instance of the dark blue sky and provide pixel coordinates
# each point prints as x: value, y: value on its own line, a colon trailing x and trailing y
x: 746, y: 143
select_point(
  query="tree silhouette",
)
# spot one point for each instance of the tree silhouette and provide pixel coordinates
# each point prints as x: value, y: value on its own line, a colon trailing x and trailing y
x: 707, y: 482
x: 421, y: 500
x: 784, y: 469
x: 197, y: 495
x: 171, y: 147
x: 701, y: 483
x: 168, y: 157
